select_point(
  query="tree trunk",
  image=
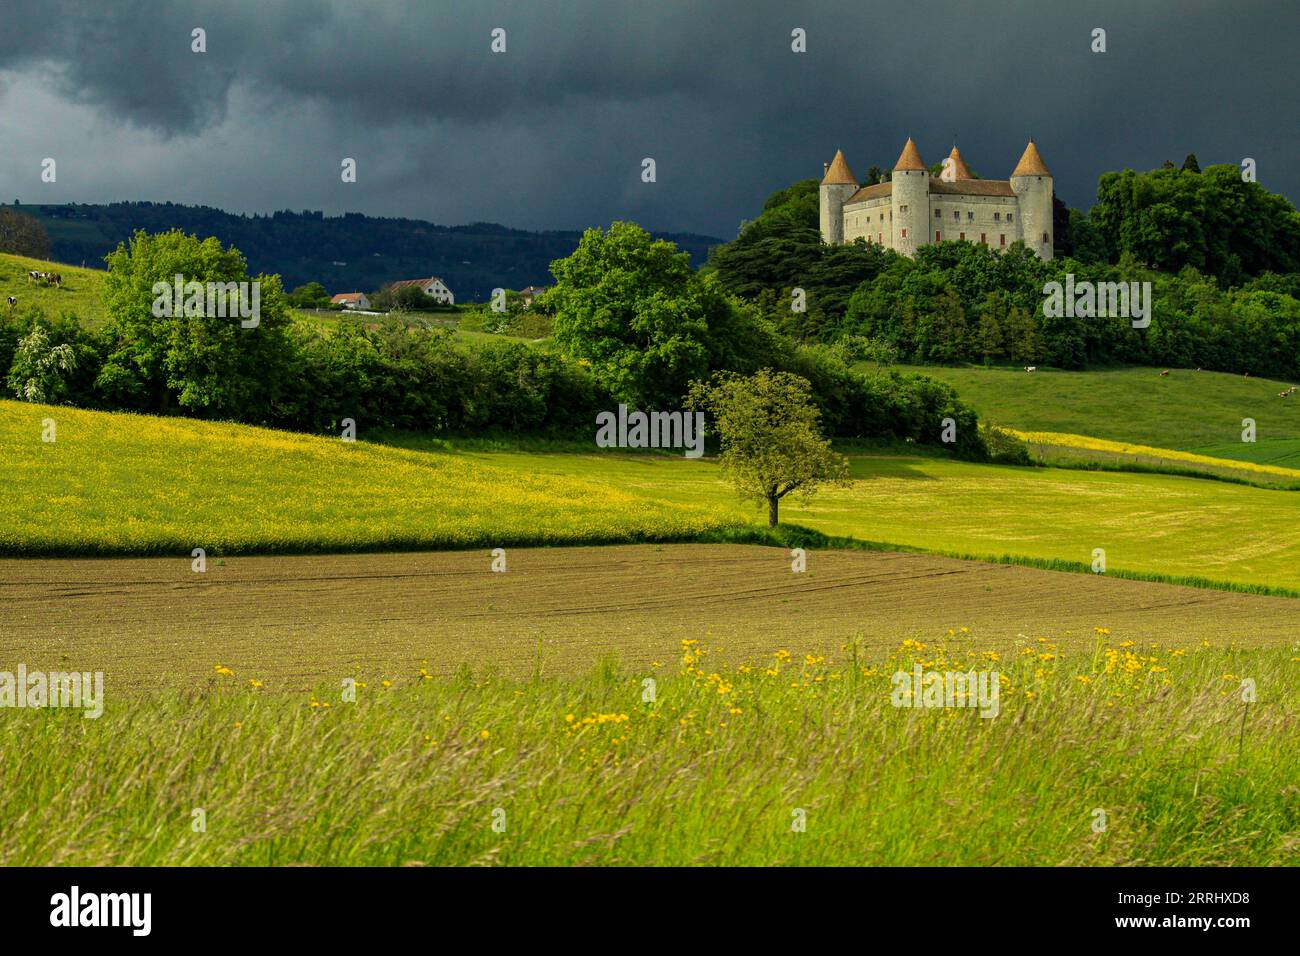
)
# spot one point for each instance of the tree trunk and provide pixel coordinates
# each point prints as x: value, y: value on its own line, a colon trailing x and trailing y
x: 772, y: 502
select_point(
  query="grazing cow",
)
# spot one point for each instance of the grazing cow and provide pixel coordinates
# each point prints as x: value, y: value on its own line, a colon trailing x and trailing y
x: 1164, y: 373
x: 13, y: 301
x: 55, y: 279
x: 1031, y: 368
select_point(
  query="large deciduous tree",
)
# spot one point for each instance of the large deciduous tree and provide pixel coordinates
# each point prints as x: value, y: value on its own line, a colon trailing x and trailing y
x: 647, y: 323
x: 208, y: 363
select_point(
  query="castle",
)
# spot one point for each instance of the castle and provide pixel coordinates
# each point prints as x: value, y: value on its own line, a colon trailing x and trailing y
x: 915, y: 208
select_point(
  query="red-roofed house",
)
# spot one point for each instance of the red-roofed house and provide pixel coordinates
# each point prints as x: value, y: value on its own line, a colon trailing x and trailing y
x: 351, y: 300
x: 433, y: 287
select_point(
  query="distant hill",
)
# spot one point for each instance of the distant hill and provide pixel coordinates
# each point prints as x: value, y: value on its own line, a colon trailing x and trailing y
x: 345, y: 253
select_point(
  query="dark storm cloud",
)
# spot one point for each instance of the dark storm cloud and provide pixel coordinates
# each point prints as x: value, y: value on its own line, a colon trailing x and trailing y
x: 552, y: 133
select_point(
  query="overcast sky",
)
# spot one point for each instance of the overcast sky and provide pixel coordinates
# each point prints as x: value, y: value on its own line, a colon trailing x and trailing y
x: 551, y: 133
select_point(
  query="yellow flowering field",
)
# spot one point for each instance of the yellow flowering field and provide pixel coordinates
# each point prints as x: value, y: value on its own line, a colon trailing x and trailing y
x: 132, y: 484
x: 1132, y: 752
x: 1127, y: 449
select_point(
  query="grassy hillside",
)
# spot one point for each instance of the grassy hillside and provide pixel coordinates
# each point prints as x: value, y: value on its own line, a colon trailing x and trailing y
x: 137, y: 485
x: 1185, y: 410
x: 81, y: 292
x: 116, y: 483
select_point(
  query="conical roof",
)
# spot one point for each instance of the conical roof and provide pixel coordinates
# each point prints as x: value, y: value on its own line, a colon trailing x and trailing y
x: 958, y: 165
x: 839, y: 172
x: 1031, y: 164
x: 910, y: 158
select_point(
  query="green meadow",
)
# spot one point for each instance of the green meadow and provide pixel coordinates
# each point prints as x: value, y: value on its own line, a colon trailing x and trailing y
x: 1125, y: 756
x: 130, y: 484
x: 1185, y: 410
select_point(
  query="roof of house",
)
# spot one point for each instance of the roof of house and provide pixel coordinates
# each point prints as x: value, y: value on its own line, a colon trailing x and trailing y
x: 346, y: 296
x: 962, y: 187
x: 839, y: 173
x: 870, y: 192
x: 420, y: 282
x: 533, y: 289
x: 910, y: 157
x: 972, y: 187
x: 1031, y: 164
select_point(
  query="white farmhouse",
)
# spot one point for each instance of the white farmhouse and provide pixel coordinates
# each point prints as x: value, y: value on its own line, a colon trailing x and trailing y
x: 351, y: 300
x: 433, y: 287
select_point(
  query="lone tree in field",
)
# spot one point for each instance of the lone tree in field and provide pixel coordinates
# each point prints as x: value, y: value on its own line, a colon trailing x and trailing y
x: 771, y: 445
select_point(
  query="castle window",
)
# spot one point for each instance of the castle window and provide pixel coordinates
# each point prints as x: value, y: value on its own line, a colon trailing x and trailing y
x: 970, y: 216
x: 1045, y: 239
x: 956, y: 214
x: 903, y: 208
x: 1008, y: 217
x: 879, y: 239
x: 904, y: 233
x: 997, y: 217
x: 962, y: 236
x: 936, y: 236
x: 984, y: 239
x: 937, y: 214
x: 1003, y: 240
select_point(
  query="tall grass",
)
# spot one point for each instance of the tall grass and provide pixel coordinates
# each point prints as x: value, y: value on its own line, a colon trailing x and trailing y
x: 718, y: 769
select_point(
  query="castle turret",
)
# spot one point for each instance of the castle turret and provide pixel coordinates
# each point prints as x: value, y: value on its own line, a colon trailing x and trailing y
x: 910, y: 200
x: 1032, y: 183
x: 955, y: 168
x: 838, y: 184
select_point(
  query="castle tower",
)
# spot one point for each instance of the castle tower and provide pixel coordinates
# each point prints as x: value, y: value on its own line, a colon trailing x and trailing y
x: 838, y: 184
x: 910, y: 200
x: 955, y: 169
x: 1032, y: 183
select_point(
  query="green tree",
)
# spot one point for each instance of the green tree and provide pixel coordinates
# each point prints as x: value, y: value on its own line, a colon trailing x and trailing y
x: 211, y: 364
x: 948, y: 328
x: 1023, y: 341
x: 771, y: 443
x: 309, y: 296
x: 1190, y: 164
x: 989, y: 333
x: 634, y: 308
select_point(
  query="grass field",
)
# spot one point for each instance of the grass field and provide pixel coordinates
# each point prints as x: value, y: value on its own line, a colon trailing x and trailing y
x: 778, y: 757
x: 1184, y: 411
x: 123, y: 484
x: 81, y: 292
